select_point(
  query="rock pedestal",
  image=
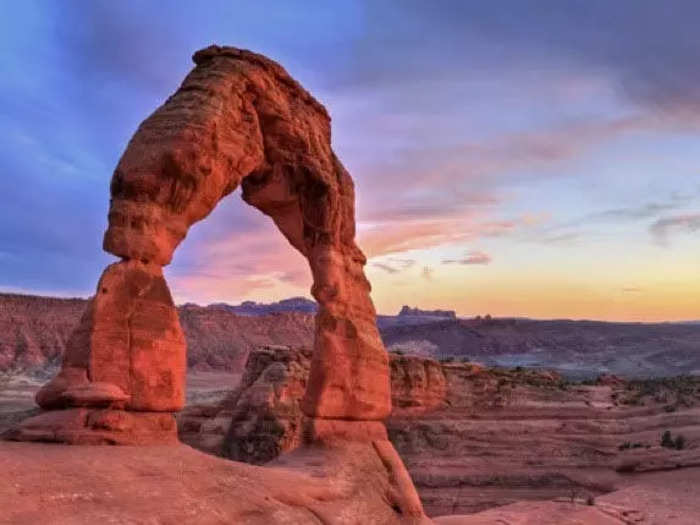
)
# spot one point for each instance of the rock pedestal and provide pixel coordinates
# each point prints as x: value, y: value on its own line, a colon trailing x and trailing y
x: 123, y: 372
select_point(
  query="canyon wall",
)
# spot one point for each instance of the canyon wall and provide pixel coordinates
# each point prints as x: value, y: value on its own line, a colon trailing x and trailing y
x: 34, y: 332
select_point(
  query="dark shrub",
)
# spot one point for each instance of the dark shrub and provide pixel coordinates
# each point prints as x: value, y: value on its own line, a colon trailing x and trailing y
x: 679, y: 442
x: 667, y: 440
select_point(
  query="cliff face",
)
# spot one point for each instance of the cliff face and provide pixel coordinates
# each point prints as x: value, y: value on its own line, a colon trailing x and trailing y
x: 221, y: 340
x: 34, y: 332
x: 417, y: 384
x: 577, y: 349
x: 293, y: 304
x: 263, y: 418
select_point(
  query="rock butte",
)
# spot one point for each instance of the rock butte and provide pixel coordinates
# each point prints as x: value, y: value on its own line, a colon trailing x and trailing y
x: 237, y: 119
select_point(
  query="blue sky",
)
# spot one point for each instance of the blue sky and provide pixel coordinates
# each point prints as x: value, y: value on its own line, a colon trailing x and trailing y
x: 520, y: 158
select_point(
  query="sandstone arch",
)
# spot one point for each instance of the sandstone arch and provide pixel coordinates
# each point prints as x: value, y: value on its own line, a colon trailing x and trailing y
x: 238, y: 118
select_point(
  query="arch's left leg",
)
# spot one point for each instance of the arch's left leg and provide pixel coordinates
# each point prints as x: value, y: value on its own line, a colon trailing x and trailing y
x: 124, y: 370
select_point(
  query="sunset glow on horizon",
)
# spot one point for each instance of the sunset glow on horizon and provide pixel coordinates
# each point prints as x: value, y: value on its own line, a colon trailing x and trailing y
x: 535, y: 161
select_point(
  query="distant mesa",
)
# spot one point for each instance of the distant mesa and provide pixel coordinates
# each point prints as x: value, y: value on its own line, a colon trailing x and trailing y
x: 408, y: 311
x: 252, y: 308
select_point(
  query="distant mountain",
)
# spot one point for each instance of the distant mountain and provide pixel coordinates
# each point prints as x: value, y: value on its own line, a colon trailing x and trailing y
x: 34, y: 330
x: 294, y: 304
x: 575, y: 349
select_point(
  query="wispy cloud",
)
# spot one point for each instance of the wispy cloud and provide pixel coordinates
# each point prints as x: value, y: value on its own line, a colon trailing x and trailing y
x: 386, y: 267
x: 663, y: 227
x: 575, y: 229
x: 643, y: 211
x: 394, y: 265
x: 560, y: 238
x: 473, y: 257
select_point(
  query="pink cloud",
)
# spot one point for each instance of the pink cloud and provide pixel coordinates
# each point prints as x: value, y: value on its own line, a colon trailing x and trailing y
x: 398, y: 236
x: 238, y: 265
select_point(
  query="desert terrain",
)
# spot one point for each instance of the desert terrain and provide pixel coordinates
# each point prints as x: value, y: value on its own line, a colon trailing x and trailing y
x: 478, y: 418
x: 34, y: 331
x: 474, y: 437
x: 483, y: 445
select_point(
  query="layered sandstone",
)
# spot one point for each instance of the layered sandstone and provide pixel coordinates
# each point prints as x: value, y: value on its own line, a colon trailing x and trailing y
x: 346, y: 484
x: 129, y: 349
x: 177, y: 484
x: 238, y: 118
x: 220, y: 340
x: 34, y: 330
x: 475, y: 437
x: 264, y: 416
x: 124, y: 366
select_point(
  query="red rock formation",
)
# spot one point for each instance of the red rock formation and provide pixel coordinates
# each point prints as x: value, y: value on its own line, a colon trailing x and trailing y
x: 264, y: 416
x: 81, y: 426
x: 128, y: 349
x: 474, y: 437
x: 127, y: 353
x: 34, y: 330
x: 238, y: 118
x: 417, y: 383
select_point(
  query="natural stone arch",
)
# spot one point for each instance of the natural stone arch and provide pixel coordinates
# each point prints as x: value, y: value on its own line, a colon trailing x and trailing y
x: 238, y: 118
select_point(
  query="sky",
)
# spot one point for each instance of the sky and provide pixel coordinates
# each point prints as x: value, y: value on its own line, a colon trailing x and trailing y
x: 518, y: 158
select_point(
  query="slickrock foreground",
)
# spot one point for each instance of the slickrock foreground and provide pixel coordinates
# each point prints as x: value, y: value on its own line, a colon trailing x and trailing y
x: 171, y: 485
x: 347, y: 484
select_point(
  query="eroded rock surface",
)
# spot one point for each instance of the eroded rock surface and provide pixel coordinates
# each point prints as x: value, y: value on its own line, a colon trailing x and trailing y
x: 129, y: 346
x: 34, y: 331
x: 237, y: 119
x: 263, y: 417
x: 266, y: 417
x: 347, y: 484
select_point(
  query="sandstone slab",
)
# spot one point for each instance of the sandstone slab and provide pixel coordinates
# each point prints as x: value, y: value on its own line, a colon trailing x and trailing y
x: 172, y: 485
x: 81, y: 426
